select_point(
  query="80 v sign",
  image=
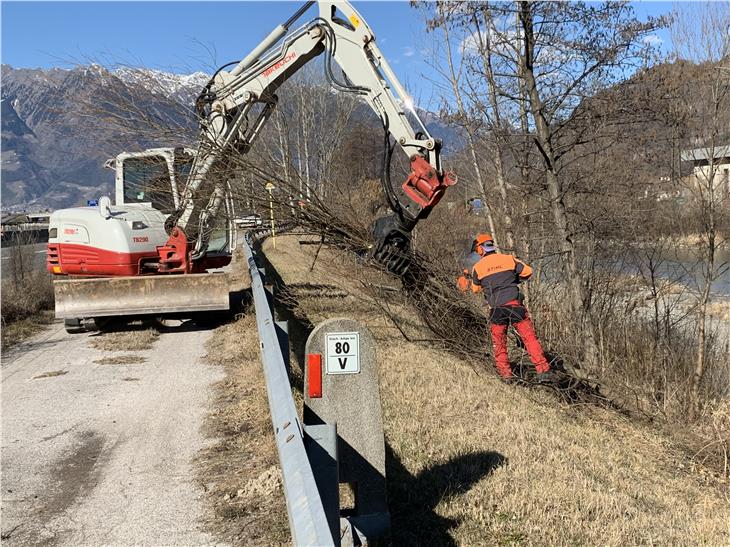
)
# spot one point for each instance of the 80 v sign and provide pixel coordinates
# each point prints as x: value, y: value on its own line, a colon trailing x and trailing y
x: 343, y: 353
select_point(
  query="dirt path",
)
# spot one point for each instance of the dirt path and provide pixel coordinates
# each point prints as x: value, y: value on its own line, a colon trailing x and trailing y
x: 98, y: 454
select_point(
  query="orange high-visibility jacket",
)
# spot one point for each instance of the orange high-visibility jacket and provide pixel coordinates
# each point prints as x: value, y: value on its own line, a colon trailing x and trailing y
x: 498, y: 275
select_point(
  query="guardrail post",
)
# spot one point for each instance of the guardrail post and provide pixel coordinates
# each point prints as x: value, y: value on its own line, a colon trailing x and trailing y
x: 342, y: 388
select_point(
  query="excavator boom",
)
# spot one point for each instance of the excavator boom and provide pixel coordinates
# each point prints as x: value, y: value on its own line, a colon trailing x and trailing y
x: 227, y: 101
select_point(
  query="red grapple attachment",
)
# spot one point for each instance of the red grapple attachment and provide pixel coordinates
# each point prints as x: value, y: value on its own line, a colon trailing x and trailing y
x: 175, y: 256
x: 424, y: 185
x: 175, y: 253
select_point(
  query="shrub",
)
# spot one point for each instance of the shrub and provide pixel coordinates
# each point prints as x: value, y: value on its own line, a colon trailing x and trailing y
x: 26, y: 297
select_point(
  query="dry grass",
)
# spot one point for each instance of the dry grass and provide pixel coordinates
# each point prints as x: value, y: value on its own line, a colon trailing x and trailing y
x: 472, y: 461
x: 27, y: 305
x: 26, y: 296
x: 121, y: 360
x: 238, y: 278
x: 51, y: 374
x: 15, y: 332
x: 716, y: 432
x: 133, y: 340
x: 239, y: 470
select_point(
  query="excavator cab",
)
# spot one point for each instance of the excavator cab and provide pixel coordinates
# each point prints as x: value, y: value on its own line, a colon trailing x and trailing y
x: 153, y: 177
x: 156, y: 178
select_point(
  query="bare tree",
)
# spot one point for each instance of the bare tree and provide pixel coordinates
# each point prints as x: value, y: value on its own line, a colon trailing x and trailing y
x: 700, y: 35
x: 567, y: 52
x: 455, y: 78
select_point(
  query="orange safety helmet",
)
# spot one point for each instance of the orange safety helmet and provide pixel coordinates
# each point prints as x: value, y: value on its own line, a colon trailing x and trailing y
x: 483, y: 240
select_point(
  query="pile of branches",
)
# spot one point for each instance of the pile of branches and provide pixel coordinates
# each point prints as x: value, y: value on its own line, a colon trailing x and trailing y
x: 458, y: 325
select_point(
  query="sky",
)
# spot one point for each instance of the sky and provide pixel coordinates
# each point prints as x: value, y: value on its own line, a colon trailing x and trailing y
x: 185, y: 37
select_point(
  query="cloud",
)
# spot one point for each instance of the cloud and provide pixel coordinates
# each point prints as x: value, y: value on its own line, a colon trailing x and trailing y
x: 471, y: 42
x: 408, y: 51
x: 653, y: 40
x: 502, y: 41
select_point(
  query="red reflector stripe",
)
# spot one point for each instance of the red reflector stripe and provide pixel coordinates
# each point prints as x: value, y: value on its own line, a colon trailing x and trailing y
x: 314, y: 375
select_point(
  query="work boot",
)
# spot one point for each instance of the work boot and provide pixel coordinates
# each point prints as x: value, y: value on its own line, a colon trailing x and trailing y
x: 506, y: 376
x: 505, y: 373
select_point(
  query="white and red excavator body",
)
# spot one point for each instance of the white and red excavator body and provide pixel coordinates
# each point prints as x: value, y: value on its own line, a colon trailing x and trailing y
x: 105, y: 258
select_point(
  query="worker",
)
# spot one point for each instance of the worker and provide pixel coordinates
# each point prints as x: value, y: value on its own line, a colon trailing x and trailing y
x: 498, y: 275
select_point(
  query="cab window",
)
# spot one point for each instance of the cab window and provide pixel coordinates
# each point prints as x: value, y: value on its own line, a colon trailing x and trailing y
x: 147, y: 180
x: 183, y: 165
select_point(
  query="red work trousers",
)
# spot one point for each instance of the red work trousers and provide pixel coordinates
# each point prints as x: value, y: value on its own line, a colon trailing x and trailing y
x: 527, y: 333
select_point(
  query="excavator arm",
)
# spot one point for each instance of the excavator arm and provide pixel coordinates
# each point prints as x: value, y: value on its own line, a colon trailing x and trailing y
x: 235, y: 105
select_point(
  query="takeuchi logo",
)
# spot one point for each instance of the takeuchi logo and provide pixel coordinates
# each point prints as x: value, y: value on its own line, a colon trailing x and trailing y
x: 276, y: 66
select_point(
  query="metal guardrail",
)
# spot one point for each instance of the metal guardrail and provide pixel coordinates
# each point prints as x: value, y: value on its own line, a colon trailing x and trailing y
x: 25, y: 227
x: 307, y: 518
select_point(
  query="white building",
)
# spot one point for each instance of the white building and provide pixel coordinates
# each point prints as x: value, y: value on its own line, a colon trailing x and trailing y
x: 700, y: 159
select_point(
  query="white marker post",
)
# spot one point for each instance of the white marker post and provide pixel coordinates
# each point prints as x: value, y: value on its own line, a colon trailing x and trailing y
x: 342, y: 389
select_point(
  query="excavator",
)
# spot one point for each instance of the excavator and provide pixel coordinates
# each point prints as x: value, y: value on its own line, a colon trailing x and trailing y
x: 155, y: 251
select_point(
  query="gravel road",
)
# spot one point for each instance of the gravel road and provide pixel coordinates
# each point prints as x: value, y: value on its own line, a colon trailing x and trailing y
x: 101, y: 454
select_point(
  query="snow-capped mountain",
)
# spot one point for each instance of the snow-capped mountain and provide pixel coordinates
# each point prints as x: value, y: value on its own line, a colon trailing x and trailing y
x: 59, y: 126
x: 181, y: 87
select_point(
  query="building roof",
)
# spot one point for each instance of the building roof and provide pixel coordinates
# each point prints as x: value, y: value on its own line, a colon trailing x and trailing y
x: 700, y: 154
x: 14, y: 218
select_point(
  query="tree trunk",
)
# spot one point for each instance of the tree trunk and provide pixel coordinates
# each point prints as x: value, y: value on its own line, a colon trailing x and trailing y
x: 470, y: 135
x: 576, y: 278
x: 710, y: 251
x: 699, y: 371
x: 497, y: 130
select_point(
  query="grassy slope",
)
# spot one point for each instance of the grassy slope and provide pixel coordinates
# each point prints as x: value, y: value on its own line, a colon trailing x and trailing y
x: 474, y: 461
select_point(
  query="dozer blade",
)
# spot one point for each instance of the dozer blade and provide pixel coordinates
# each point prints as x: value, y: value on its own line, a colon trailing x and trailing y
x: 146, y: 295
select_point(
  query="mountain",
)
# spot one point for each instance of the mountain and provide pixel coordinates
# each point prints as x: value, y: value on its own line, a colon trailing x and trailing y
x: 183, y: 88
x: 20, y: 174
x: 452, y: 136
x: 59, y: 126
